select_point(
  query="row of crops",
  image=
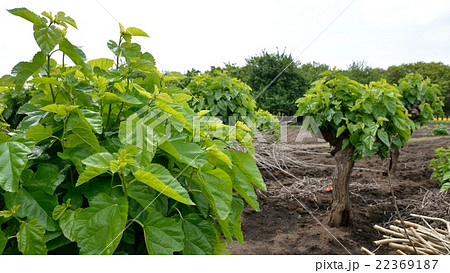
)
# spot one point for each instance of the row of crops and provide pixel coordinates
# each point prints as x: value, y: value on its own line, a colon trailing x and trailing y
x: 106, y: 156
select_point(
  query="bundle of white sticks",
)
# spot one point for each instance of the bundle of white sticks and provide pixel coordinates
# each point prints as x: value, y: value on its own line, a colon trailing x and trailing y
x: 410, y: 238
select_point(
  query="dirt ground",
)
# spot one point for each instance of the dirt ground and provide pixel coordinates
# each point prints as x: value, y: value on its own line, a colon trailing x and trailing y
x: 295, y: 208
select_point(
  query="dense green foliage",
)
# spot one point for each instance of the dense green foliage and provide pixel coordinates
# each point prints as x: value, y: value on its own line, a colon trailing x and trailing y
x: 362, y: 73
x: 313, y: 72
x: 222, y: 96
x: 365, y: 116
x: 420, y: 97
x: 261, y: 70
x: 440, y: 130
x: 441, y: 167
x: 101, y: 157
x: 268, y: 125
x: 180, y: 80
x: 276, y: 82
x: 438, y: 73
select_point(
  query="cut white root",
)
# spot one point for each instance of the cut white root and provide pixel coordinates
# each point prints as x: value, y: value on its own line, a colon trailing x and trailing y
x: 413, y: 238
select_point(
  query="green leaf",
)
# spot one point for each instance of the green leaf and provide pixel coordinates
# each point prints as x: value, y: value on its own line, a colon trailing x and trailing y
x: 59, y: 211
x: 47, y: 37
x: 163, y: 236
x: 144, y: 66
x: 341, y: 130
x: 403, y: 128
x: 94, y: 119
x: 182, y: 98
x: 75, y: 54
x: 130, y: 50
x: 51, y: 235
x: 48, y: 14
x: 90, y: 173
x: 353, y: 127
x: 20, y: 138
x: 102, y: 63
x: 75, y: 156
x: 145, y: 155
x: 446, y: 176
x: 34, y: 205
x: 160, y: 179
x: 370, y: 132
x: 177, y: 115
x: 247, y: 165
x: 148, y: 197
x: 61, y: 18
x: 445, y: 187
x: 82, y: 132
x: 400, y: 123
x: 59, y: 109
x: 345, y: 143
x: 111, y: 98
x: 99, y: 160
x: 47, y: 178
x: 6, y: 213
x: 164, y: 97
x: 45, y: 81
x: 57, y: 242
x: 31, y: 238
x: 189, y: 153
x: 201, y: 203
x: 368, y: 140
x: 39, y: 132
x: 218, y: 189
x: 199, y: 235
x: 98, y: 229
x: 383, y: 136
x: 237, y: 207
x: 134, y: 31
x: 379, y: 111
x: 142, y: 91
x: 390, y: 104
x: 142, y: 136
x: 245, y: 189
x: 337, y: 118
x: 13, y: 158
x: 67, y: 223
x: 3, y: 241
x: 24, y: 70
x: 28, y: 15
x: 112, y: 45
x: 215, y: 153
x: 367, y: 106
x: 4, y: 137
x: 245, y: 138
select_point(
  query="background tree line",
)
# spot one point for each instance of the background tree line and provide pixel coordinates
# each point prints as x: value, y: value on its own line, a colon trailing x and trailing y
x: 276, y: 92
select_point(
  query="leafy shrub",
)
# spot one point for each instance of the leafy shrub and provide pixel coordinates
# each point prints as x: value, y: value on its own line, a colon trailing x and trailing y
x: 100, y: 157
x: 420, y: 97
x: 441, y: 167
x: 359, y: 121
x: 268, y: 125
x: 366, y: 116
x: 223, y: 96
x: 440, y: 130
x: 276, y: 81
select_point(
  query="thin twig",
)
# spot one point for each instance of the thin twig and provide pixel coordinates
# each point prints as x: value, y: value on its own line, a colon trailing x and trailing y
x: 366, y: 251
x: 395, y: 198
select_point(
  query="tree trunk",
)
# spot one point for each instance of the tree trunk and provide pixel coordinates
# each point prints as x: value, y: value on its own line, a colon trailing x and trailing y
x: 341, y: 210
x: 393, y: 162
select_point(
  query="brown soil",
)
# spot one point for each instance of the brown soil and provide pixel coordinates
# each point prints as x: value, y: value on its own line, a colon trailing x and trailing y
x: 295, y: 208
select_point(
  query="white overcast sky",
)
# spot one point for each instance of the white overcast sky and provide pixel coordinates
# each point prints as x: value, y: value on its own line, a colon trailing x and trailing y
x: 199, y: 34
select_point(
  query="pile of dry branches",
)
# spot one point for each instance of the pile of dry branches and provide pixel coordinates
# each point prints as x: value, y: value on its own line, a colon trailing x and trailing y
x: 411, y: 238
